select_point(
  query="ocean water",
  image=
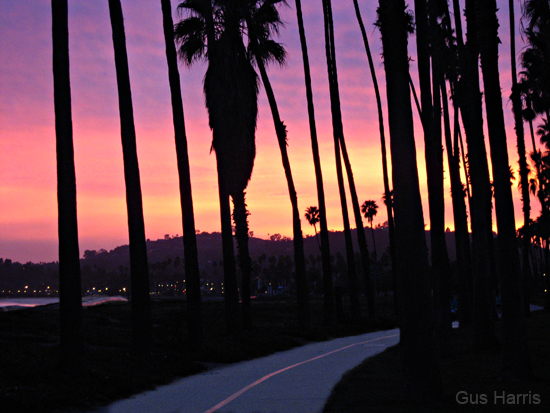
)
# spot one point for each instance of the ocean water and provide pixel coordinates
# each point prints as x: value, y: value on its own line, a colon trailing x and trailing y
x: 20, y: 303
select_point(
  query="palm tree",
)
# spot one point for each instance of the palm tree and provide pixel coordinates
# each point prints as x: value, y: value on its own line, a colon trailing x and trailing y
x: 447, y: 46
x: 385, y: 173
x: 214, y: 31
x: 312, y: 216
x: 429, y: 70
x: 369, y: 210
x: 536, y: 57
x: 535, y: 60
x: 535, y: 79
x: 339, y: 145
x: 141, y: 306
x: 70, y: 295
x: 262, y: 20
x: 468, y: 100
x: 515, y: 354
x: 517, y: 108
x: 416, y: 319
x: 191, y: 262
x: 328, y: 294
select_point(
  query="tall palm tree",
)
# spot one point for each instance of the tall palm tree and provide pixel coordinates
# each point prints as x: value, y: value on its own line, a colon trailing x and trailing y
x: 339, y: 146
x: 262, y: 20
x: 213, y: 31
x: 328, y: 294
x: 369, y: 210
x: 416, y: 319
x: 70, y: 295
x: 517, y: 108
x: 535, y: 60
x: 385, y: 173
x: 192, y: 273
x: 141, y: 306
x: 468, y: 100
x: 516, y: 362
x: 448, y: 47
x: 429, y: 68
x: 536, y: 57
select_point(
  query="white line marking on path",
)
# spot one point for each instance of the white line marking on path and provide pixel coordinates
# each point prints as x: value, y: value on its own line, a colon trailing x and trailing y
x: 261, y: 380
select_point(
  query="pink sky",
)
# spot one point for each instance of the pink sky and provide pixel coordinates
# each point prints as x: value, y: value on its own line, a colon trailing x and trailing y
x: 28, y: 211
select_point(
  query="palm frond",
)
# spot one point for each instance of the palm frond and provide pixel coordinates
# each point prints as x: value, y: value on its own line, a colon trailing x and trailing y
x: 190, y: 35
x: 194, y: 7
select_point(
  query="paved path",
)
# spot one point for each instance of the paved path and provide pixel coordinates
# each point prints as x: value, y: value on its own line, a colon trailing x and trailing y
x: 298, y: 380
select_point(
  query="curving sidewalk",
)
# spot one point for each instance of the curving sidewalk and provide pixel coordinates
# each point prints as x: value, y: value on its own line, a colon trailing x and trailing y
x: 297, y: 380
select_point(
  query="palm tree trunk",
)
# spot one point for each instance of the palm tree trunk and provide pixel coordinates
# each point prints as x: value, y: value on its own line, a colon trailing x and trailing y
x: 299, y: 256
x: 240, y: 216
x: 387, y: 190
x: 361, y: 238
x: 328, y: 293
x: 468, y: 97
x: 141, y: 306
x: 70, y: 294
x: 523, y: 168
x: 231, y: 288
x: 462, y: 237
x: 426, y: 33
x: 416, y: 319
x: 338, y: 132
x: 515, y: 356
x: 192, y: 274
x: 373, y: 241
x: 459, y: 142
x: 454, y: 149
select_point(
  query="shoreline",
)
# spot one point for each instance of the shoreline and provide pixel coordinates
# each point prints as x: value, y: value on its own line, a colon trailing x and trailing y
x: 17, y: 303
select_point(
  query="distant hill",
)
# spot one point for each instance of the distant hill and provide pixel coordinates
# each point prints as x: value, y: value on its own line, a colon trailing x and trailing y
x: 107, y: 272
x: 209, y: 246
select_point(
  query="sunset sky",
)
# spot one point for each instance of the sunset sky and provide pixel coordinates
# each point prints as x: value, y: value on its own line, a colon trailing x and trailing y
x: 28, y: 209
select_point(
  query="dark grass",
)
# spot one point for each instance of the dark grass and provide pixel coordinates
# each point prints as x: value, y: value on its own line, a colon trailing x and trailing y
x: 376, y: 385
x: 30, y: 380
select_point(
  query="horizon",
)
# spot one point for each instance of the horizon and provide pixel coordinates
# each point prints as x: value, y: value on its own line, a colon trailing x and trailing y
x: 28, y: 203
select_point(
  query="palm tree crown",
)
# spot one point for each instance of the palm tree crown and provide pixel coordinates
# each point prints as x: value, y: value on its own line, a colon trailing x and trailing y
x: 312, y: 216
x: 369, y: 210
x: 215, y: 31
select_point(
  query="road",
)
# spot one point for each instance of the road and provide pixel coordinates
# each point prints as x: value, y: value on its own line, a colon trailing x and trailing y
x: 297, y: 380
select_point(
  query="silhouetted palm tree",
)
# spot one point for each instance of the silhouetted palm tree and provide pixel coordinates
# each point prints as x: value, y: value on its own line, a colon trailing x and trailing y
x: 468, y: 99
x: 191, y: 262
x: 429, y: 71
x: 312, y: 216
x: 214, y: 31
x: 535, y: 81
x: 516, y: 362
x: 70, y: 295
x: 369, y: 210
x: 385, y: 173
x: 328, y: 294
x: 262, y: 20
x: 416, y: 320
x: 536, y: 57
x: 449, y: 52
x: 141, y: 306
x: 339, y: 147
x: 517, y: 108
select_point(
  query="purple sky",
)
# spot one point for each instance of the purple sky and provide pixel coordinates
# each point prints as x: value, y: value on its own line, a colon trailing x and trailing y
x: 28, y: 219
